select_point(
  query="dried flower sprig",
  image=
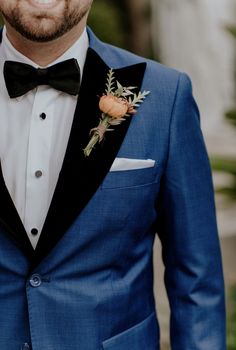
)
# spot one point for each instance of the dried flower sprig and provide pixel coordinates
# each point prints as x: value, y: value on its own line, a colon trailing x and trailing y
x: 117, y: 103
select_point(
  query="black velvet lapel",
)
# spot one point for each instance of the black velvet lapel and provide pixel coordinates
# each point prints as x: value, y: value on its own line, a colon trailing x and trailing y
x: 80, y: 177
x: 11, y: 222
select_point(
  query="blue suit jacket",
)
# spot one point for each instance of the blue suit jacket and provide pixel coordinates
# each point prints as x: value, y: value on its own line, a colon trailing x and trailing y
x: 89, y: 284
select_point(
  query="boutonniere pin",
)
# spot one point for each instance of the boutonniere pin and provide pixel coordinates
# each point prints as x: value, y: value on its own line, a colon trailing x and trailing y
x: 116, y: 104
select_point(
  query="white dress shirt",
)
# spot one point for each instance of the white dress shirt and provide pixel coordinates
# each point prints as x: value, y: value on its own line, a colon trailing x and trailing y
x: 34, y: 132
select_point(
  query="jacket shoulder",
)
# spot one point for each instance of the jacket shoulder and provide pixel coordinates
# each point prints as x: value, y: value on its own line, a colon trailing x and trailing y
x: 116, y: 57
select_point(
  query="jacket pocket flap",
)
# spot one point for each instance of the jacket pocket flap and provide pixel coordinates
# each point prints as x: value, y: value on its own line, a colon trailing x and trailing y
x: 144, y: 335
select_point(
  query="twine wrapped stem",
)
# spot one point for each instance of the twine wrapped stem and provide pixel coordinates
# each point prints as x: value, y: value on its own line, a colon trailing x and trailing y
x: 97, y: 134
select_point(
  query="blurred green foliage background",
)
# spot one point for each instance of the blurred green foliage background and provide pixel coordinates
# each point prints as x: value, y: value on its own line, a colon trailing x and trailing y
x: 228, y: 164
x: 108, y: 21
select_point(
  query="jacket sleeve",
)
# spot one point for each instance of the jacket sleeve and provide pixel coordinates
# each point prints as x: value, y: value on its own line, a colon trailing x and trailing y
x: 188, y: 232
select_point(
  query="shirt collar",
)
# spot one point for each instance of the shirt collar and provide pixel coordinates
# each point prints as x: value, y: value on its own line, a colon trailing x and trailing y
x: 78, y: 51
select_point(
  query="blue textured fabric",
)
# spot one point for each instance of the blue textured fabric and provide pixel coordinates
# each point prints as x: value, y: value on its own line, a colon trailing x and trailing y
x: 96, y: 287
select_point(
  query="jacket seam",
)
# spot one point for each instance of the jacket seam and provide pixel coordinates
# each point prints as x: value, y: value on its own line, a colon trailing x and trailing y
x: 171, y: 121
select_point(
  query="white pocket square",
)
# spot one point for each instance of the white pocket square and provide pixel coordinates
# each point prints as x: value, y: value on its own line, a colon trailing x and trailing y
x: 121, y: 164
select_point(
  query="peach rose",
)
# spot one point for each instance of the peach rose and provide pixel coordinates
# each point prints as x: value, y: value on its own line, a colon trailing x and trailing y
x: 114, y: 106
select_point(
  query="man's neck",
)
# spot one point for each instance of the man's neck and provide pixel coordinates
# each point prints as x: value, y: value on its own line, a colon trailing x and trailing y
x: 44, y: 53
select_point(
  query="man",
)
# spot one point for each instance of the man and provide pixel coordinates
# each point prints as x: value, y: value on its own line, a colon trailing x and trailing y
x: 76, y: 229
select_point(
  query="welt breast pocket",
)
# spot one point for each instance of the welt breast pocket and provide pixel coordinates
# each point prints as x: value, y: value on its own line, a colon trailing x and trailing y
x: 144, y: 335
x: 130, y: 178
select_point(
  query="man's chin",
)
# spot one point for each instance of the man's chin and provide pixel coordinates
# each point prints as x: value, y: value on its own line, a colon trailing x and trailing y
x: 40, y: 36
x: 43, y: 30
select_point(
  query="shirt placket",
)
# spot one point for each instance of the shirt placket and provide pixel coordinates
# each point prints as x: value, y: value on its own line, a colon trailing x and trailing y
x: 38, y: 162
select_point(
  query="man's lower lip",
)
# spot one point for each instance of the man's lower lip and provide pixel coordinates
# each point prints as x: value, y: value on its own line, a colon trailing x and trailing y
x: 43, y: 4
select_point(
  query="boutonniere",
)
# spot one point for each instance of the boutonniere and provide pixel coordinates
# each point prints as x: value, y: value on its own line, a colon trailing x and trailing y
x: 116, y: 104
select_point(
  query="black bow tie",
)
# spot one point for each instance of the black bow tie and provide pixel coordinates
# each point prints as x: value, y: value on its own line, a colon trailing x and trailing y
x: 21, y: 78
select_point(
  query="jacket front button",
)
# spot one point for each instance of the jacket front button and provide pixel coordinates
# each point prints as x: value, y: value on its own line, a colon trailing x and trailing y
x: 25, y: 347
x: 35, y: 280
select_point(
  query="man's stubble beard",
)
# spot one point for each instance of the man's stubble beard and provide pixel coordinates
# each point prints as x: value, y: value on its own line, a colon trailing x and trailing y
x: 62, y: 24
